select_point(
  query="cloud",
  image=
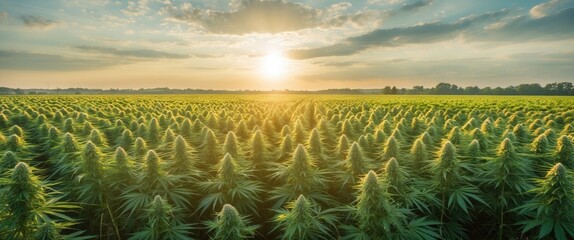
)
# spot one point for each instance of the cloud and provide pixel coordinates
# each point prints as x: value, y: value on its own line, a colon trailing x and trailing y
x: 115, y: 21
x: 138, y: 8
x: 22, y: 60
x: 25, y: 60
x: 522, y: 28
x: 338, y: 64
x: 543, y: 9
x: 259, y: 16
x: 38, y: 22
x: 535, y: 67
x: 3, y: 16
x: 424, y: 33
x: 410, y: 7
x: 552, y: 27
x: 132, y: 53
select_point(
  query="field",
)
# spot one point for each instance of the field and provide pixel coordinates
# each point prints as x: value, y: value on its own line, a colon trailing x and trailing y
x: 286, y: 167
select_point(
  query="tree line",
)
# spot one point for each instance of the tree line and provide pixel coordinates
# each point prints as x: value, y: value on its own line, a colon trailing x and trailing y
x: 557, y: 88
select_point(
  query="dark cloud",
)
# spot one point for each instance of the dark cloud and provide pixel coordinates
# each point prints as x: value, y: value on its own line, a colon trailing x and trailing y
x: 425, y: 33
x: 552, y: 27
x: 132, y: 53
x: 38, y: 22
x: 258, y: 16
x: 410, y: 7
x: 18, y: 60
x: 486, y: 27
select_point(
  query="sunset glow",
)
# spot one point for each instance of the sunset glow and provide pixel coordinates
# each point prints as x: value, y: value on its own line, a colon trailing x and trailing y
x: 274, y: 66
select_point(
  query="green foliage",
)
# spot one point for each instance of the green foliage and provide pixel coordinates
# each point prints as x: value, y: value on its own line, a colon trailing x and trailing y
x: 391, y: 149
x: 8, y: 161
x: 286, y: 146
x: 210, y: 151
x: 161, y: 223
x: 258, y: 154
x: 154, y: 132
x: 121, y: 173
x: 315, y: 144
x: 231, y: 185
x: 375, y: 214
x: 394, y: 177
x: 540, y: 145
x: 15, y: 143
x: 182, y: 161
x: 24, y: 198
x: 551, y: 211
x: 508, y: 174
x: 300, y: 176
x: 356, y: 163
x: 343, y: 146
x: 229, y: 225
x: 302, y: 219
x: 230, y: 146
x: 420, y: 157
x: 28, y: 210
x: 152, y: 167
x: 453, y: 188
x: 565, y: 152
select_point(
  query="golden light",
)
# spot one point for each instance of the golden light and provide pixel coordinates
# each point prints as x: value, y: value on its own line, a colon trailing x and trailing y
x: 274, y: 65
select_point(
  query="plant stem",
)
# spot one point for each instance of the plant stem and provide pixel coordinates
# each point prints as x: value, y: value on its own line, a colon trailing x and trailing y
x: 442, y: 213
x: 501, y: 227
x: 113, y: 220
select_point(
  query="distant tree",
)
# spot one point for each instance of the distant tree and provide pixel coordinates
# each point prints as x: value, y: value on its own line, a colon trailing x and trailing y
x: 471, y: 90
x: 530, y: 89
x: 442, y: 88
x: 387, y: 90
x: 418, y: 90
x: 486, y: 91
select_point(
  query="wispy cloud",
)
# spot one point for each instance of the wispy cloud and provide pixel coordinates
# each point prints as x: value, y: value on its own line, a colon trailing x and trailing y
x: 134, y: 53
x: 257, y: 16
x: 424, y: 33
x: 523, y: 28
x: 24, y: 60
x: 554, y: 27
x: 39, y: 22
x: 543, y: 9
x: 409, y: 7
x: 138, y: 53
x: 464, y: 71
x: 136, y: 8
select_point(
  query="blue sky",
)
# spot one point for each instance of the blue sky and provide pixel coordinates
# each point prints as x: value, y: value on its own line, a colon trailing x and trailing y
x: 324, y: 44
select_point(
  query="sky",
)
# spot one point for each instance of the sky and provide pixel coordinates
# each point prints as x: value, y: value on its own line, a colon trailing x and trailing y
x: 263, y: 44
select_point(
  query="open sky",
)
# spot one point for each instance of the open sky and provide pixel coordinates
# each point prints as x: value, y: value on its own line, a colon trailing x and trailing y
x: 312, y: 44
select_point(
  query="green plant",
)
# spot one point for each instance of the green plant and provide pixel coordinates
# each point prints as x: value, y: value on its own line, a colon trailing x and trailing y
x: 231, y: 185
x: 551, y: 210
x: 302, y: 219
x: 27, y: 207
x: 455, y: 192
x: 376, y: 216
x: 300, y: 176
x: 508, y: 175
x: 229, y: 225
x: 161, y: 223
x: 564, y: 152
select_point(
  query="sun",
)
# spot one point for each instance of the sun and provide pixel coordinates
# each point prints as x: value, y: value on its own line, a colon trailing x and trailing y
x: 273, y: 65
